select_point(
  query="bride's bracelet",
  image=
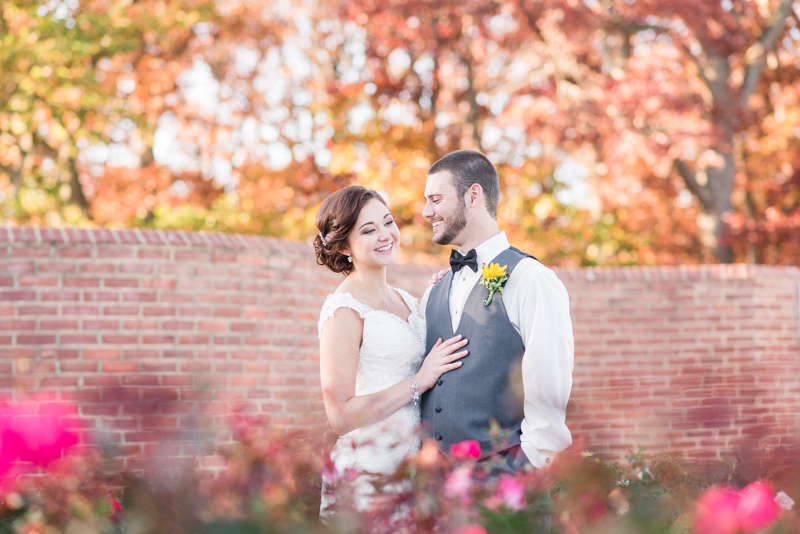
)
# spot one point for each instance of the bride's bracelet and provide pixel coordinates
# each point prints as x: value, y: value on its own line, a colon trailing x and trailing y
x: 414, y: 392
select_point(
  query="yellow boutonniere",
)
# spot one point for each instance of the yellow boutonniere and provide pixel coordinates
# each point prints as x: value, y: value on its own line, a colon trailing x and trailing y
x: 493, y: 279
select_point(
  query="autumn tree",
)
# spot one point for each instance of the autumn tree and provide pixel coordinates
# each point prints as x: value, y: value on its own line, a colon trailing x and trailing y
x: 690, y: 86
x: 69, y: 84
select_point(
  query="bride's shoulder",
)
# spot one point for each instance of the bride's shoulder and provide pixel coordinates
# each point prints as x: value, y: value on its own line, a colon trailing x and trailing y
x: 338, y: 300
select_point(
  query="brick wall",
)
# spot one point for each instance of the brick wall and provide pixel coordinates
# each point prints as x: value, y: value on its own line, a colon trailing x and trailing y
x: 157, y: 333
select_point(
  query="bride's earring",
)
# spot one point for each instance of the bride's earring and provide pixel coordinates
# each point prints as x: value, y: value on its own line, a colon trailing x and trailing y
x: 349, y: 258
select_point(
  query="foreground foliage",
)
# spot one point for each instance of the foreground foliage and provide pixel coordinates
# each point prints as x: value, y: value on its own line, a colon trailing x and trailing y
x: 270, y: 484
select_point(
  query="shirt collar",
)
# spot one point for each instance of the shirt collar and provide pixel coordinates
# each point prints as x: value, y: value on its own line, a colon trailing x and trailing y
x: 489, y: 249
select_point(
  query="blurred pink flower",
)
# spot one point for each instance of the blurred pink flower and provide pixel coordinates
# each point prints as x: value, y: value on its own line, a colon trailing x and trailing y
x: 512, y: 491
x: 757, y: 508
x: 470, y: 529
x: 716, y: 511
x: 459, y: 484
x: 31, y: 436
x: 466, y: 450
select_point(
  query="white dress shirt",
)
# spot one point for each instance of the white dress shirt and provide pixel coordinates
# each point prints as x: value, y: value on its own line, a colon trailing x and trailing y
x: 537, y: 304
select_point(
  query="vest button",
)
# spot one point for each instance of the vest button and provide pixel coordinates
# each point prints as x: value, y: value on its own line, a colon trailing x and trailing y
x: 438, y: 410
x: 438, y: 437
x: 439, y: 382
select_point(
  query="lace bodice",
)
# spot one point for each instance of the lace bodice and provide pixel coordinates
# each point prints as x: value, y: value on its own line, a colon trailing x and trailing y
x: 391, y: 348
x: 391, y: 351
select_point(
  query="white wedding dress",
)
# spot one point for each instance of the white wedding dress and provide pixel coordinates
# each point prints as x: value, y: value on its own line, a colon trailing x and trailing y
x: 391, y: 351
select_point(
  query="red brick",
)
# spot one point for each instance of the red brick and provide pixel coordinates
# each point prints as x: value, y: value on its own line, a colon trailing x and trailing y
x: 98, y: 268
x: 114, y: 253
x: 35, y: 339
x: 160, y: 311
x: 80, y: 310
x: 17, y: 295
x: 158, y: 283
x: 120, y: 310
x: 60, y: 353
x: 38, y: 281
x: 159, y: 254
x: 139, y: 297
x: 212, y: 326
x: 100, y: 296
x: 101, y: 354
x: 17, y: 267
x: 91, y: 324
x: 120, y: 282
x: 30, y: 252
x: 193, y: 340
x: 38, y: 310
x: 63, y: 267
x: 120, y: 339
x: 77, y: 367
x: 195, y: 312
x: 151, y: 339
x: 74, y: 252
x: 120, y: 367
x: 66, y: 296
x: 136, y: 268
x: 80, y: 282
x: 17, y: 325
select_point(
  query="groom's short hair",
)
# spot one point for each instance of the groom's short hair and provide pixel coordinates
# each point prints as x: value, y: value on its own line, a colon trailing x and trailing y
x: 471, y: 167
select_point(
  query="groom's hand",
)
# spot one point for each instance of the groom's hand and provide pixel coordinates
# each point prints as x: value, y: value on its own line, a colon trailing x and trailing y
x: 438, y: 276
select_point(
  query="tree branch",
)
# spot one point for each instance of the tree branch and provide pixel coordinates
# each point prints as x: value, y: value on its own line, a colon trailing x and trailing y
x: 702, y: 192
x: 755, y: 57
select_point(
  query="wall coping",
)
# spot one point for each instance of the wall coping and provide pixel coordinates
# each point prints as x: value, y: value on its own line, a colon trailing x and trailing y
x: 37, y: 235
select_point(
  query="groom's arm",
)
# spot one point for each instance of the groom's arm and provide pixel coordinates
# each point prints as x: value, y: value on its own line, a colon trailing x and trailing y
x: 539, y: 309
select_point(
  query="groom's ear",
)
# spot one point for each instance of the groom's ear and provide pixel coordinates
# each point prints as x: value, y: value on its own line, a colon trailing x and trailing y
x: 474, y: 196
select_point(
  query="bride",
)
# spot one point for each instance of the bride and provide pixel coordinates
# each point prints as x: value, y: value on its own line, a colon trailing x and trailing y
x: 373, y: 365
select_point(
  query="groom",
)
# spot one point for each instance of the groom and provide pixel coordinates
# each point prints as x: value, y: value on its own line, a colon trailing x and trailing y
x: 519, y: 369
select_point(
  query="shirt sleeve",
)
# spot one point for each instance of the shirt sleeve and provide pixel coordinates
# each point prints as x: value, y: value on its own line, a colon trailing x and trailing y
x: 539, y: 309
x: 423, y: 302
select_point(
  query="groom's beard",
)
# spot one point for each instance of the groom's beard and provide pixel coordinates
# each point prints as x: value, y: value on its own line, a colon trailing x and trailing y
x: 453, y: 226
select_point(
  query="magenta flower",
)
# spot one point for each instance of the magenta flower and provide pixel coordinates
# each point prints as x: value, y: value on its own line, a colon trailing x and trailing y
x: 31, y: 436
x: 757, y: 508
x: 466, y: 450
x: 470, y: 529
x: 716, y: 511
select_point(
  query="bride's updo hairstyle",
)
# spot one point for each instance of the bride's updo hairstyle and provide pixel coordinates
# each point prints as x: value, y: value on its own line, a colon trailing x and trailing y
x: 335, y: 220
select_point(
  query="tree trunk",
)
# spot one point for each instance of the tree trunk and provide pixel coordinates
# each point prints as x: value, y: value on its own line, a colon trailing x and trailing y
x: 713, y: 187
x: 720, y: 185
x: 77, y: 197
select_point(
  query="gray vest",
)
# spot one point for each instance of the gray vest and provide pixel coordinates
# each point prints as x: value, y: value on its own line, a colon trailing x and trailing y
x: 488, y: 385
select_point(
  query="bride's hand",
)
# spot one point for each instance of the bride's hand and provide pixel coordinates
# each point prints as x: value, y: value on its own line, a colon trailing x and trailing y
x: 438, y: 276
x: 440, y: 359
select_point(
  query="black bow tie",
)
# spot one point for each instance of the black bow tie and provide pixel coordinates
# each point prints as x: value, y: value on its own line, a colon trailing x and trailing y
x: 458, y: 261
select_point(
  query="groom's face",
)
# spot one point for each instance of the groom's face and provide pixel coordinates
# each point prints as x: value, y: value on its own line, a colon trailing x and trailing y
x: 445, y: 209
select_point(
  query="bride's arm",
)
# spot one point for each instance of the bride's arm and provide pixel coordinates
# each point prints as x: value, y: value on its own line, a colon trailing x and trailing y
x: 340, y: 340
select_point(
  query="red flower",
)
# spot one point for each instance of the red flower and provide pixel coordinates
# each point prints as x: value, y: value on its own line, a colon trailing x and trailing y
x: 723, y: 510
x: 716, y: 511
x: 757, y: 507
x: 116, y: 509
x: 470, y: 529
x: 466, y: 450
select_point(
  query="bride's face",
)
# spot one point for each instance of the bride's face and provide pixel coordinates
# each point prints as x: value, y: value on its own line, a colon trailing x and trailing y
x: 374, y: 240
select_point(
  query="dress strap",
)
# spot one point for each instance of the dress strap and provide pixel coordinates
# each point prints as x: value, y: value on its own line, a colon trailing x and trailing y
x: 340, y: 300
x: 411, y: 301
